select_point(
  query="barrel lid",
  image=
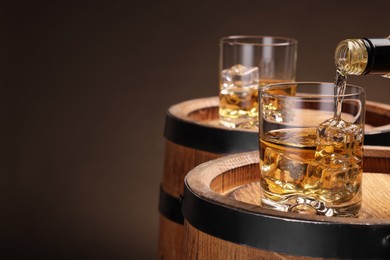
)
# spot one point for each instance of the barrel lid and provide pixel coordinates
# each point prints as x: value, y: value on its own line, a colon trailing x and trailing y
x: 183, y: 128
x: 194, y: 124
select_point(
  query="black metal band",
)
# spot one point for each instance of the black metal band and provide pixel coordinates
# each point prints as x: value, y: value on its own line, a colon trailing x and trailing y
x: 288, y: 236
x: 170, y: 207
x: 381, y: 139
x: 210, y: 139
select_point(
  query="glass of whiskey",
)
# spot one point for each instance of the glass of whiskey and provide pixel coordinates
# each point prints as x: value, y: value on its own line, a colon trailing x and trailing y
x: 247, y: 62
x: 311, y: 147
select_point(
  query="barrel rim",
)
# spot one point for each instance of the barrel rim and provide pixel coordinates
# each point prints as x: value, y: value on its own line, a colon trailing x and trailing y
x: 183, y: 110
x: 209, y: 136
x: 349, y: 235
x: 180, y: 129
x: 253, y: 158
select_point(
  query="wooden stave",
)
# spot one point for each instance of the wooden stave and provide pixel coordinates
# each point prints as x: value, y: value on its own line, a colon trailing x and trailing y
x: 170, y: 243
x: 206, y: 195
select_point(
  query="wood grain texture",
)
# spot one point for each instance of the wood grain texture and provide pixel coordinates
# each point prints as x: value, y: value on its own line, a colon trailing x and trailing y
x: 375, y: 198
x: 377, y: 114
x: 178, y: 161
x: 201, y: 246
x: 376, y: 159
x: 170, y: 237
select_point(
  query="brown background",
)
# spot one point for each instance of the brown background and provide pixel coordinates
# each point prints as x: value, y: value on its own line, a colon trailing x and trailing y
x: 85, y: 91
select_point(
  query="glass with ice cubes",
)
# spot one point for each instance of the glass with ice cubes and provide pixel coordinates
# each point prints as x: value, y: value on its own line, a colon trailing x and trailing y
x: 311, y: 148
x: 247, y: 62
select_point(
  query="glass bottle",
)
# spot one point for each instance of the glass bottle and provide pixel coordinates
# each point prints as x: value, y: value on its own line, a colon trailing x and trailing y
x: 363, y: 56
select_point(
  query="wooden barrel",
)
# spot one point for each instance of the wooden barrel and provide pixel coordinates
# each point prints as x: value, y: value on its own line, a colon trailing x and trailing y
x: 223, y: 218
x: 193, y: 136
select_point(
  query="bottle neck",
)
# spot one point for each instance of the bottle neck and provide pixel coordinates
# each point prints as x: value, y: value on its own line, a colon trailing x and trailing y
x: 351, y: 57
x: 363, y: 56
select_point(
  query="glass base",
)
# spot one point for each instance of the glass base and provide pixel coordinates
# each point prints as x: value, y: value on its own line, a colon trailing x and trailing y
x: 307, y: 205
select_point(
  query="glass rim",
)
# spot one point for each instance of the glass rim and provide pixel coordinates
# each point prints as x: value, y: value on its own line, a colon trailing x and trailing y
x: 242, y: 40
x: 262, y: 90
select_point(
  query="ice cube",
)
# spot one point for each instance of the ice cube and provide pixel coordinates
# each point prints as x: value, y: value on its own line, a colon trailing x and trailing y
x: 269, y: 162
x: 338, y: 140
x: 271, y: 109
x: 287, y: 168
x: 340, y: 184
x: 293, y: 169
x: 312, y: 177
x: 276, y: 106
x: 240, y: 76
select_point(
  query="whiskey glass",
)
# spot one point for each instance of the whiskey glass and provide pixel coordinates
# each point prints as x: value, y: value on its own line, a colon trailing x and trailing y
x: 311, y: 148
x: 247, y: 62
